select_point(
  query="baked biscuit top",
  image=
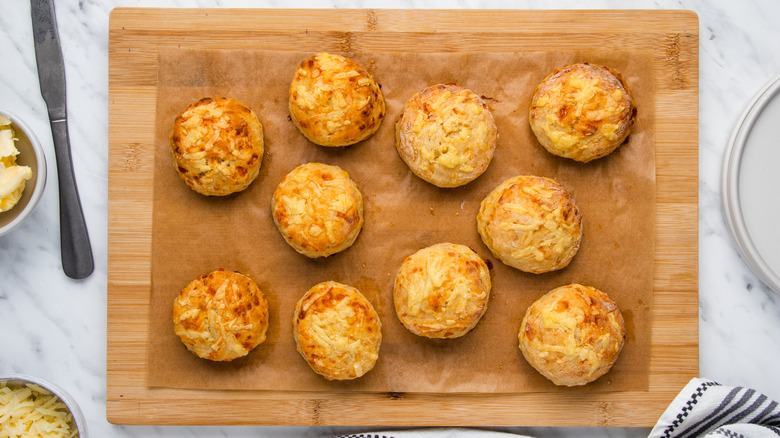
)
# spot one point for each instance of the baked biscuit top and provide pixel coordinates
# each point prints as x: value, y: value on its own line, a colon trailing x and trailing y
x: 446, y: 135
x: 217, y: 146
x: 531, y: 223
x: 318, y: 209
x: 582, y: 112
x: 334, y: 101
x: 442, y: 291
x: 573, y: 334
x: 337, y: 331
x: 221, y: 316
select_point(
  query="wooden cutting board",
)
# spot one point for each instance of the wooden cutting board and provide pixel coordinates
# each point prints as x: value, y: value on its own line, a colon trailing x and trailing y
x: 135, y: 36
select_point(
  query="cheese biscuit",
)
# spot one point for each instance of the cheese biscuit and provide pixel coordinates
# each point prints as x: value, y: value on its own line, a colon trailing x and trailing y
x: 572, y: 335
x: 334, y: 101
x: 217, y: 146
x: 446, y: 135
x: 531, y: 223
x: 318, y: 209
x: 582, y: 112
x: 337, y: 331
x: 442, y: 291
x: 221, y: 316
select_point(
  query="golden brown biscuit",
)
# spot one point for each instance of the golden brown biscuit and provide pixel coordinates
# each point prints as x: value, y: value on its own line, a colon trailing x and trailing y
x: 531, y: 223
x: 582, y: 112
x: 334, y: 101
x: 337, y: 331
x: 318, y: 209
x: 446, y: 135
x: 442, y: 291
x: 217, y: 146
x: 221, y: 316
x: 572, y: 335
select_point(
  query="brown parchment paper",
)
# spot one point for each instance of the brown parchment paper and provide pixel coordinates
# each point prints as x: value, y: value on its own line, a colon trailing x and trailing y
x: 193, y: 234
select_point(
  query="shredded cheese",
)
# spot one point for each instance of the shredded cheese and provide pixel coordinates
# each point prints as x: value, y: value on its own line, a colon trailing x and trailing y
x: 31, y: 411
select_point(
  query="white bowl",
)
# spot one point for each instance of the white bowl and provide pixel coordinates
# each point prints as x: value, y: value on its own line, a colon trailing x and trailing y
x: 30, y: 154
x: 78, y: 418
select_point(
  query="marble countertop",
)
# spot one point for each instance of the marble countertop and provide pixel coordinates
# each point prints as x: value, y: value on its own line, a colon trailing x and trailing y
x: 55, y: 328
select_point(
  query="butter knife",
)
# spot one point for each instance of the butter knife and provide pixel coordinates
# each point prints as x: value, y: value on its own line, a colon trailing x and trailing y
x: 76, y: 250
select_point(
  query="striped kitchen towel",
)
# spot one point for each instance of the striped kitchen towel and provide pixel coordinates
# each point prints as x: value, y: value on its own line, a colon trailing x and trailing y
x: 707, y: 408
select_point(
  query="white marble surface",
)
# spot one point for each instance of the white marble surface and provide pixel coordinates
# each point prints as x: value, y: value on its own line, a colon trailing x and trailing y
x: 55, y: 328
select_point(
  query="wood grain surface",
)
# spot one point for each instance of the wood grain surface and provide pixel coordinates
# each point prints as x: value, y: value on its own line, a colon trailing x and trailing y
x: 136, y: 34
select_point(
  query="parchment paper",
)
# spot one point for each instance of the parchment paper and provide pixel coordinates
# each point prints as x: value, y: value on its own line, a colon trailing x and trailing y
x: 193, y: 234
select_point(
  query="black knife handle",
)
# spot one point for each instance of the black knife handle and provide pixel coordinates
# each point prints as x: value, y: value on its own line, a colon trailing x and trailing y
x: 76, y: 250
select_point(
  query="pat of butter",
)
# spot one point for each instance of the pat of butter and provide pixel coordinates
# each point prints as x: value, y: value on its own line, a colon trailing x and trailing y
x: 12, y: 177
x: 7, y: 148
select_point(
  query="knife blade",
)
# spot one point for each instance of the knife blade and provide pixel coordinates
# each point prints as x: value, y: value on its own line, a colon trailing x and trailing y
x: 75, y: 248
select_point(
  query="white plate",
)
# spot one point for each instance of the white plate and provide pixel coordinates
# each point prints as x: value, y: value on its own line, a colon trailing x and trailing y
x: 751, y: 185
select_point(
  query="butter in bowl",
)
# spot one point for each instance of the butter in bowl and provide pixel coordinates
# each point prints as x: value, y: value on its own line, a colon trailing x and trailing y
x: 22, y: 171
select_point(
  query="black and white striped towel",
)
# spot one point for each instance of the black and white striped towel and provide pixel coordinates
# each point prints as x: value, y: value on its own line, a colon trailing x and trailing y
x: 706, y: 408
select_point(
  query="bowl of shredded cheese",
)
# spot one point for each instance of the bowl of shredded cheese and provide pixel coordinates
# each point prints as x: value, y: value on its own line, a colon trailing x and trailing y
x: 31, y: 407
x: 22, y: 171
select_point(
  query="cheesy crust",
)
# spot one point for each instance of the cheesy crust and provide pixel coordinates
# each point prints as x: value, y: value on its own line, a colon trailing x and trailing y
x: 531, y: 223
x: 221, y: 316
x: 582, y: 112
x: 337, y: 331
x: 318, y: 209
x: 446, y: 135
x: 217, y: 146
x: 442, y: 291
x: 334, y: 101
x: 572, y: 335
